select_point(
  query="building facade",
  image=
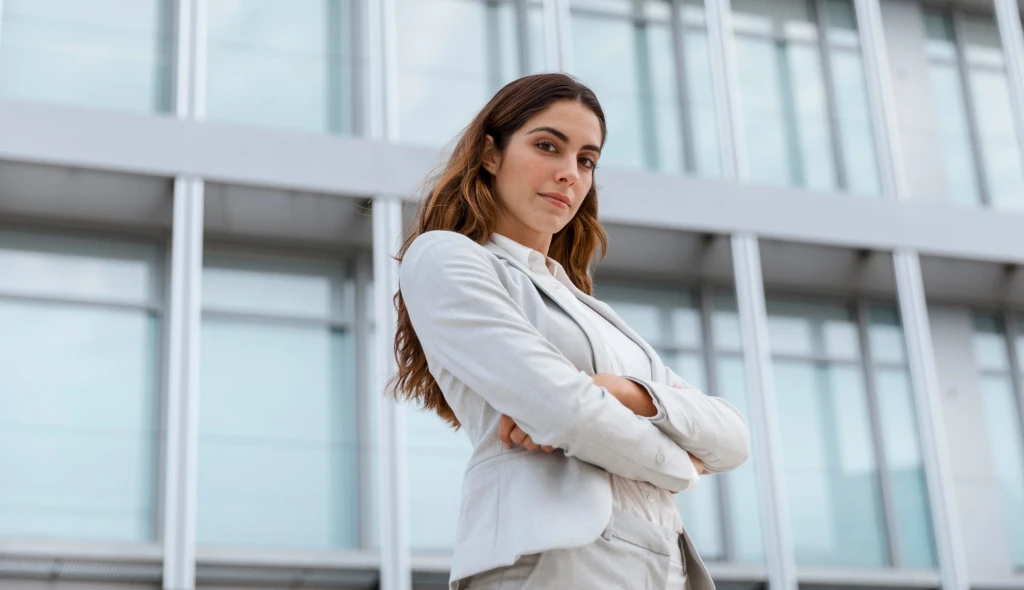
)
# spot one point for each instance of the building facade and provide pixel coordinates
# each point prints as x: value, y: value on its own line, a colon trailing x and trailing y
x: 815, y: 209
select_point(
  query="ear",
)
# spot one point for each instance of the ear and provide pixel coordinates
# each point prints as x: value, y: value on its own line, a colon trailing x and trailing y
x: 491, y: 157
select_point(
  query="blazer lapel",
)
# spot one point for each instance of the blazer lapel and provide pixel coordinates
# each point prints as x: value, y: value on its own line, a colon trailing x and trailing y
x: 602, y: 364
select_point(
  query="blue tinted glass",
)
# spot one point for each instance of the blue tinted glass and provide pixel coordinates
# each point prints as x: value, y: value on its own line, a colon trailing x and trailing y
x: 829, y: 465
x: 79, y: 444
x: 1007, y: 440
x: 278, y: 442
x: 453, y: 56
x: 438, y: 456
x: 742, y: 491
x: 110, y: 54
x: 1002, y: 162
x: 281, y: 64
x: 854, y: 117
x: 905, y: 466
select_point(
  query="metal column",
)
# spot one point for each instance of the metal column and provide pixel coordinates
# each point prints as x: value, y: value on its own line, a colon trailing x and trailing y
x: 178, y: 518
x: 182, y: 410
x: 760, y: 383
x: 913, y: 308
x: 393, y: 491
x: 1008, y: 19
x: 392, y: 476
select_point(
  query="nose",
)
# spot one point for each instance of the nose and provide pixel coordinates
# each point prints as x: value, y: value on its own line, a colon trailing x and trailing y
x: 568, y: 171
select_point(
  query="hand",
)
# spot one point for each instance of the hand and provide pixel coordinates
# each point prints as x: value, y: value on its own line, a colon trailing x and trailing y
x: 509, y: 432
x: 631, y: 394
x: 697, y: 463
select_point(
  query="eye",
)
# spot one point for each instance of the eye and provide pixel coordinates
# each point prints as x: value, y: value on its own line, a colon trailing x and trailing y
x: 547, y: 146
x: 588, y: 163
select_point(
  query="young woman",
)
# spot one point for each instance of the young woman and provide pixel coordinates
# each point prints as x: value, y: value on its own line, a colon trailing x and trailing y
x: 581, y: 435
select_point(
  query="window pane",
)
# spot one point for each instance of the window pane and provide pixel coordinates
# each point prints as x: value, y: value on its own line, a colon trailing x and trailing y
x: 86, y: 268
x: 812, y: 329
x: 885, y: 335
x: 700, y: 94
x: 1003, y: 166
x: 298, y: 58
x: 438, y: 456
x: 278, y: 429
x: 785, y: 111
x: 990, y: 350
x: 453, y: 55
x: 744, y: 499
x: 725, y: 324
x: 855, y: 125
x: 663, y: 316
x: 109, y: 54
x: 829, y: 465
x: 906, y: 469
x: 276, y: 286
x: 1007, y: 440
x: 79, y: 444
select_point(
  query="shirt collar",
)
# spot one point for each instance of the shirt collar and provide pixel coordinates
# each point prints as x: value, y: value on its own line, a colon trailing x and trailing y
x: 530, y: 258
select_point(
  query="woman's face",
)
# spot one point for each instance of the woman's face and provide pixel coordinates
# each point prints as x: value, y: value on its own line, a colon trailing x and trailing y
x: 545, y: 172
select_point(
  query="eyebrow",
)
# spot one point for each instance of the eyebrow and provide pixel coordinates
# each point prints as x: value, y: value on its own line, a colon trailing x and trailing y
x: 564, y: 137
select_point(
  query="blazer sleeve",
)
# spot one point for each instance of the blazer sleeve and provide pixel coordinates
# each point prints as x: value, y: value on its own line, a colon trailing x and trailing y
x: 709, y: 427
x: 467, y: 323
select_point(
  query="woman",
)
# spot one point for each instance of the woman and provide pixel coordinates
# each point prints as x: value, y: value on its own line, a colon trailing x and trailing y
x: 581, y: 435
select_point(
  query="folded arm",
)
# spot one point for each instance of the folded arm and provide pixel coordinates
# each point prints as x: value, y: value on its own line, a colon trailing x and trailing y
x: 709, y: 427
x: 467, y: 322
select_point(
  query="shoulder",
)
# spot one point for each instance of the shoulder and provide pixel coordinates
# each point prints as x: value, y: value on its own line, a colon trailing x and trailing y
x: 440, y: 246
x: 440, y: 254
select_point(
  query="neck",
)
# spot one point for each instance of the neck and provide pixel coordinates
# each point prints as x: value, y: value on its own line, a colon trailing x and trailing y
x: 538, y: 241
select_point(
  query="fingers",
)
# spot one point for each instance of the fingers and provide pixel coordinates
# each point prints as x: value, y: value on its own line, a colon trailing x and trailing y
x: 509, y: 433
x: 677, y: 385
x: 505, y: 426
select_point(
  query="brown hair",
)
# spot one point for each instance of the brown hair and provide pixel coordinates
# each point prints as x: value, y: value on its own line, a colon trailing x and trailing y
x: 459, y: 197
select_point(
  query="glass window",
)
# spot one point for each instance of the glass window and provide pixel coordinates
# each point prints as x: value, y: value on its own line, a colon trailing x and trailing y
x: 806, y: 114
x: 656, y: 121
x: 80, y: 443
x: 282, y: 64
x: 1003, y: 417
x: 671, y: 320
x: 982, y: 154
x: 278, y: 433
x: 831, y: 367
x: 438, y: 456
x: 109, y: 54
x: 453, y: 55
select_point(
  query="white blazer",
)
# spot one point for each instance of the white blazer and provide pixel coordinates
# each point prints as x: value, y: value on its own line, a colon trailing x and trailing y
x: 498, y: 344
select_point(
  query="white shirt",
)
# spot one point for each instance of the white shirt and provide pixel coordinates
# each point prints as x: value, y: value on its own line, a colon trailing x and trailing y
x: 628, y: 360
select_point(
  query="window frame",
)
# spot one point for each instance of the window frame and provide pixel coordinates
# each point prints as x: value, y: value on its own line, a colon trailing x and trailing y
x: 827, y: 47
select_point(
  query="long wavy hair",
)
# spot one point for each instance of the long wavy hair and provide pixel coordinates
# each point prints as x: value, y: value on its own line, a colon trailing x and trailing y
x: 460, y: 197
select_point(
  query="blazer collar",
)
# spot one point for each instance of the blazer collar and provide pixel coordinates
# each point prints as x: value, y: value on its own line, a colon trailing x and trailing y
x: 602, y: 364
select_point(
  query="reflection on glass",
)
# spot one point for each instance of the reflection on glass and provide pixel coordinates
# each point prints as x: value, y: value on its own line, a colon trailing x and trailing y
x: 1005, y: 431
x: 79, y: 431
x: 278, y: 434
x: 786, y: 89
x: 670, y: 319
x: 972, y: 41
x: 109, y: 54
x: 438, y: 455
x: 633, y: 71
x: 829, y: 465
x: 79, y: 444
x: 829, y: 438
x: 453, y: 55
x: 281, y: 64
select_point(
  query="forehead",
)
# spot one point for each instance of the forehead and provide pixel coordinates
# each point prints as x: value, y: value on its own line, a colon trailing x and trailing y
x: 571, y: 118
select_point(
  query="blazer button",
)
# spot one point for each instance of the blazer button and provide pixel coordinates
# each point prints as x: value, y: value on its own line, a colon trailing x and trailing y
x: 661, y: 458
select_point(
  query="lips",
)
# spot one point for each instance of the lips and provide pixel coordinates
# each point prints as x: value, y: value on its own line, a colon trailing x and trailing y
x: 557, y: 199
